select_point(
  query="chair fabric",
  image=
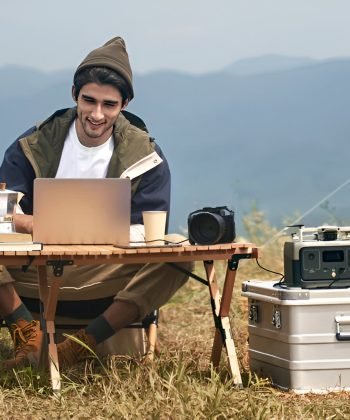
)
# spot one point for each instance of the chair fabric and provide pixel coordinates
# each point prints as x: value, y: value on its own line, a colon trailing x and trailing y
x: 131, y: 341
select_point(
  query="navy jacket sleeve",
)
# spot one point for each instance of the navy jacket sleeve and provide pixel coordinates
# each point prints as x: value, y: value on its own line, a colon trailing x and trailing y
x: 18, y: 173
x: 153, y: 192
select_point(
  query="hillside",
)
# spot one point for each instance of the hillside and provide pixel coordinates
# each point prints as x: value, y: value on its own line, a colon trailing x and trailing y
x: 273, y: 139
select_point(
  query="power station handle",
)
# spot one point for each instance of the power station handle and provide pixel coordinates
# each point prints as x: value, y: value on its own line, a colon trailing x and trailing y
x: 340, y: 321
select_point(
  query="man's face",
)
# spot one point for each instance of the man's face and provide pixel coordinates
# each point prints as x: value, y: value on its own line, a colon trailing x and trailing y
x: 98, y: 107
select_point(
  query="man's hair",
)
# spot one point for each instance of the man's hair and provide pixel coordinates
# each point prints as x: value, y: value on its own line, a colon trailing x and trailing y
x: 101, y: 76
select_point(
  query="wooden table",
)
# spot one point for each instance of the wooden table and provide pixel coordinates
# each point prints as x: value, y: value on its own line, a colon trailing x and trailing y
x: 58, y: 256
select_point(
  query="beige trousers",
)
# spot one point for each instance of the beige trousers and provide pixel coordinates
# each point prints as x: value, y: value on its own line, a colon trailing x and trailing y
x: 148, y: 286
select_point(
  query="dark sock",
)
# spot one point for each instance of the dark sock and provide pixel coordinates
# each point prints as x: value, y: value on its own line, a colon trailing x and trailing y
x: 20, y: 313
x: 100, y: 329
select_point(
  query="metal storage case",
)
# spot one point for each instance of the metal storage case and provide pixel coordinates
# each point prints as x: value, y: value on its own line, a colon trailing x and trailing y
x: 299, y: 338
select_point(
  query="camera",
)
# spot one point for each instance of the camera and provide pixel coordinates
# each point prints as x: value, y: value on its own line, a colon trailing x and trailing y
x: 211, y: 225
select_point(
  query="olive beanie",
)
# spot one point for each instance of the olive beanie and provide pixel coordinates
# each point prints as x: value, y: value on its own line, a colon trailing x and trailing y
x: 112, y: 55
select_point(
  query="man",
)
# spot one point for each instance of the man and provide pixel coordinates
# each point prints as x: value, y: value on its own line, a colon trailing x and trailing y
x: 93, y: 140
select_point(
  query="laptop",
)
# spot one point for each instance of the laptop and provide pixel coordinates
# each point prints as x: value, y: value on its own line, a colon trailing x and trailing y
x: 81, y: 211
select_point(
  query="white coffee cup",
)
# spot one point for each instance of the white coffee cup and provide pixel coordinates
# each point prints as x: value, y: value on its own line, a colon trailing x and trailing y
x: 154, y: 223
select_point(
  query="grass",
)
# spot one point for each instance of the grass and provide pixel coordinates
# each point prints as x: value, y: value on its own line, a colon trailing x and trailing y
x: 179, y: 384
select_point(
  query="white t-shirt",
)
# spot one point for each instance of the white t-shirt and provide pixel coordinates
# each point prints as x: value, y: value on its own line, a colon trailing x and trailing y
x: 79, y: 161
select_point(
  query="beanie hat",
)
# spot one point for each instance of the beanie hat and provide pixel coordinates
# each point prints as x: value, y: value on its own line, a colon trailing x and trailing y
x: 112, y: 55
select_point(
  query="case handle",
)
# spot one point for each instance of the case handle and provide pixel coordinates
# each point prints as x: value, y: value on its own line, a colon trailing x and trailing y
x: 340, y: 321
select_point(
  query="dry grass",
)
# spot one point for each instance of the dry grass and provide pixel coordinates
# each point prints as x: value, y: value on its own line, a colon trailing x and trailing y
x: 179, y: 384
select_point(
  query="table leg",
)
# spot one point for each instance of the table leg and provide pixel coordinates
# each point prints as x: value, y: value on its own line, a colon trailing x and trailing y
x: 221, y: 308
x: 152, y: 340
x: 215, y: 304
x: 48, y: 297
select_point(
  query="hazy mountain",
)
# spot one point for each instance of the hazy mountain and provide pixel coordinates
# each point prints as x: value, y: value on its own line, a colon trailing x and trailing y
x: 267, y: 64
x: 276, y: 139
x: 20, y: 81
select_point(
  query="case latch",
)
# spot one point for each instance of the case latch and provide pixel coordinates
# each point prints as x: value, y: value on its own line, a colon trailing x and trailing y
x: 276, y: 318
x: 254, y: 313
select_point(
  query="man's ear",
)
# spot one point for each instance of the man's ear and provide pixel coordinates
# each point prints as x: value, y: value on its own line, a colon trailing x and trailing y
x: 125, y: 104
x: 73, y: 94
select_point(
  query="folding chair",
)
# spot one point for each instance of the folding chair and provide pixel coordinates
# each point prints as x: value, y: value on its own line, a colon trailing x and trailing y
x: 136, y: 340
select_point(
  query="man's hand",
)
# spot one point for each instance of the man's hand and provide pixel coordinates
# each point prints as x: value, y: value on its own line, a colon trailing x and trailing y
x: 23, y: 223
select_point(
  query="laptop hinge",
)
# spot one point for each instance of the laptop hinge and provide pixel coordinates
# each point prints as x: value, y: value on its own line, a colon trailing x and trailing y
x: 58, y: 265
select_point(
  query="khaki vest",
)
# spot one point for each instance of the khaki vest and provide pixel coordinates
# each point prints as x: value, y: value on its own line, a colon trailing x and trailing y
x: 43, y: 148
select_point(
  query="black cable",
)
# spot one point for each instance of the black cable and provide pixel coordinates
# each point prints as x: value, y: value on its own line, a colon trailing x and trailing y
x: 158, y: 240
x: 280, y: 282
x: 332, y: 282
x: 166, y: 243
x: 270, y: 271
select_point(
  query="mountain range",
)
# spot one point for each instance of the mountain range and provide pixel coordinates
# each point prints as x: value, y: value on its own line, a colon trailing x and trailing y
x: 270, y: 132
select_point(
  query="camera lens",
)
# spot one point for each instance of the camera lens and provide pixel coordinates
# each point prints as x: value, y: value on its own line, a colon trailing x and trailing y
x: 206, y: 228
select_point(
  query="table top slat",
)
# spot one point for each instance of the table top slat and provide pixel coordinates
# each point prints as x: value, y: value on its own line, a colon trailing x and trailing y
x: 110, y: 254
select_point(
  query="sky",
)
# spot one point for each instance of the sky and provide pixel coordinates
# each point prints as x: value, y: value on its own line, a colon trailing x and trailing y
x: 183, y: 35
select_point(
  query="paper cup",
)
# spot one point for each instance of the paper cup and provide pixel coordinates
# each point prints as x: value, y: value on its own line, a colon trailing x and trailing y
x: 154, y: 223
